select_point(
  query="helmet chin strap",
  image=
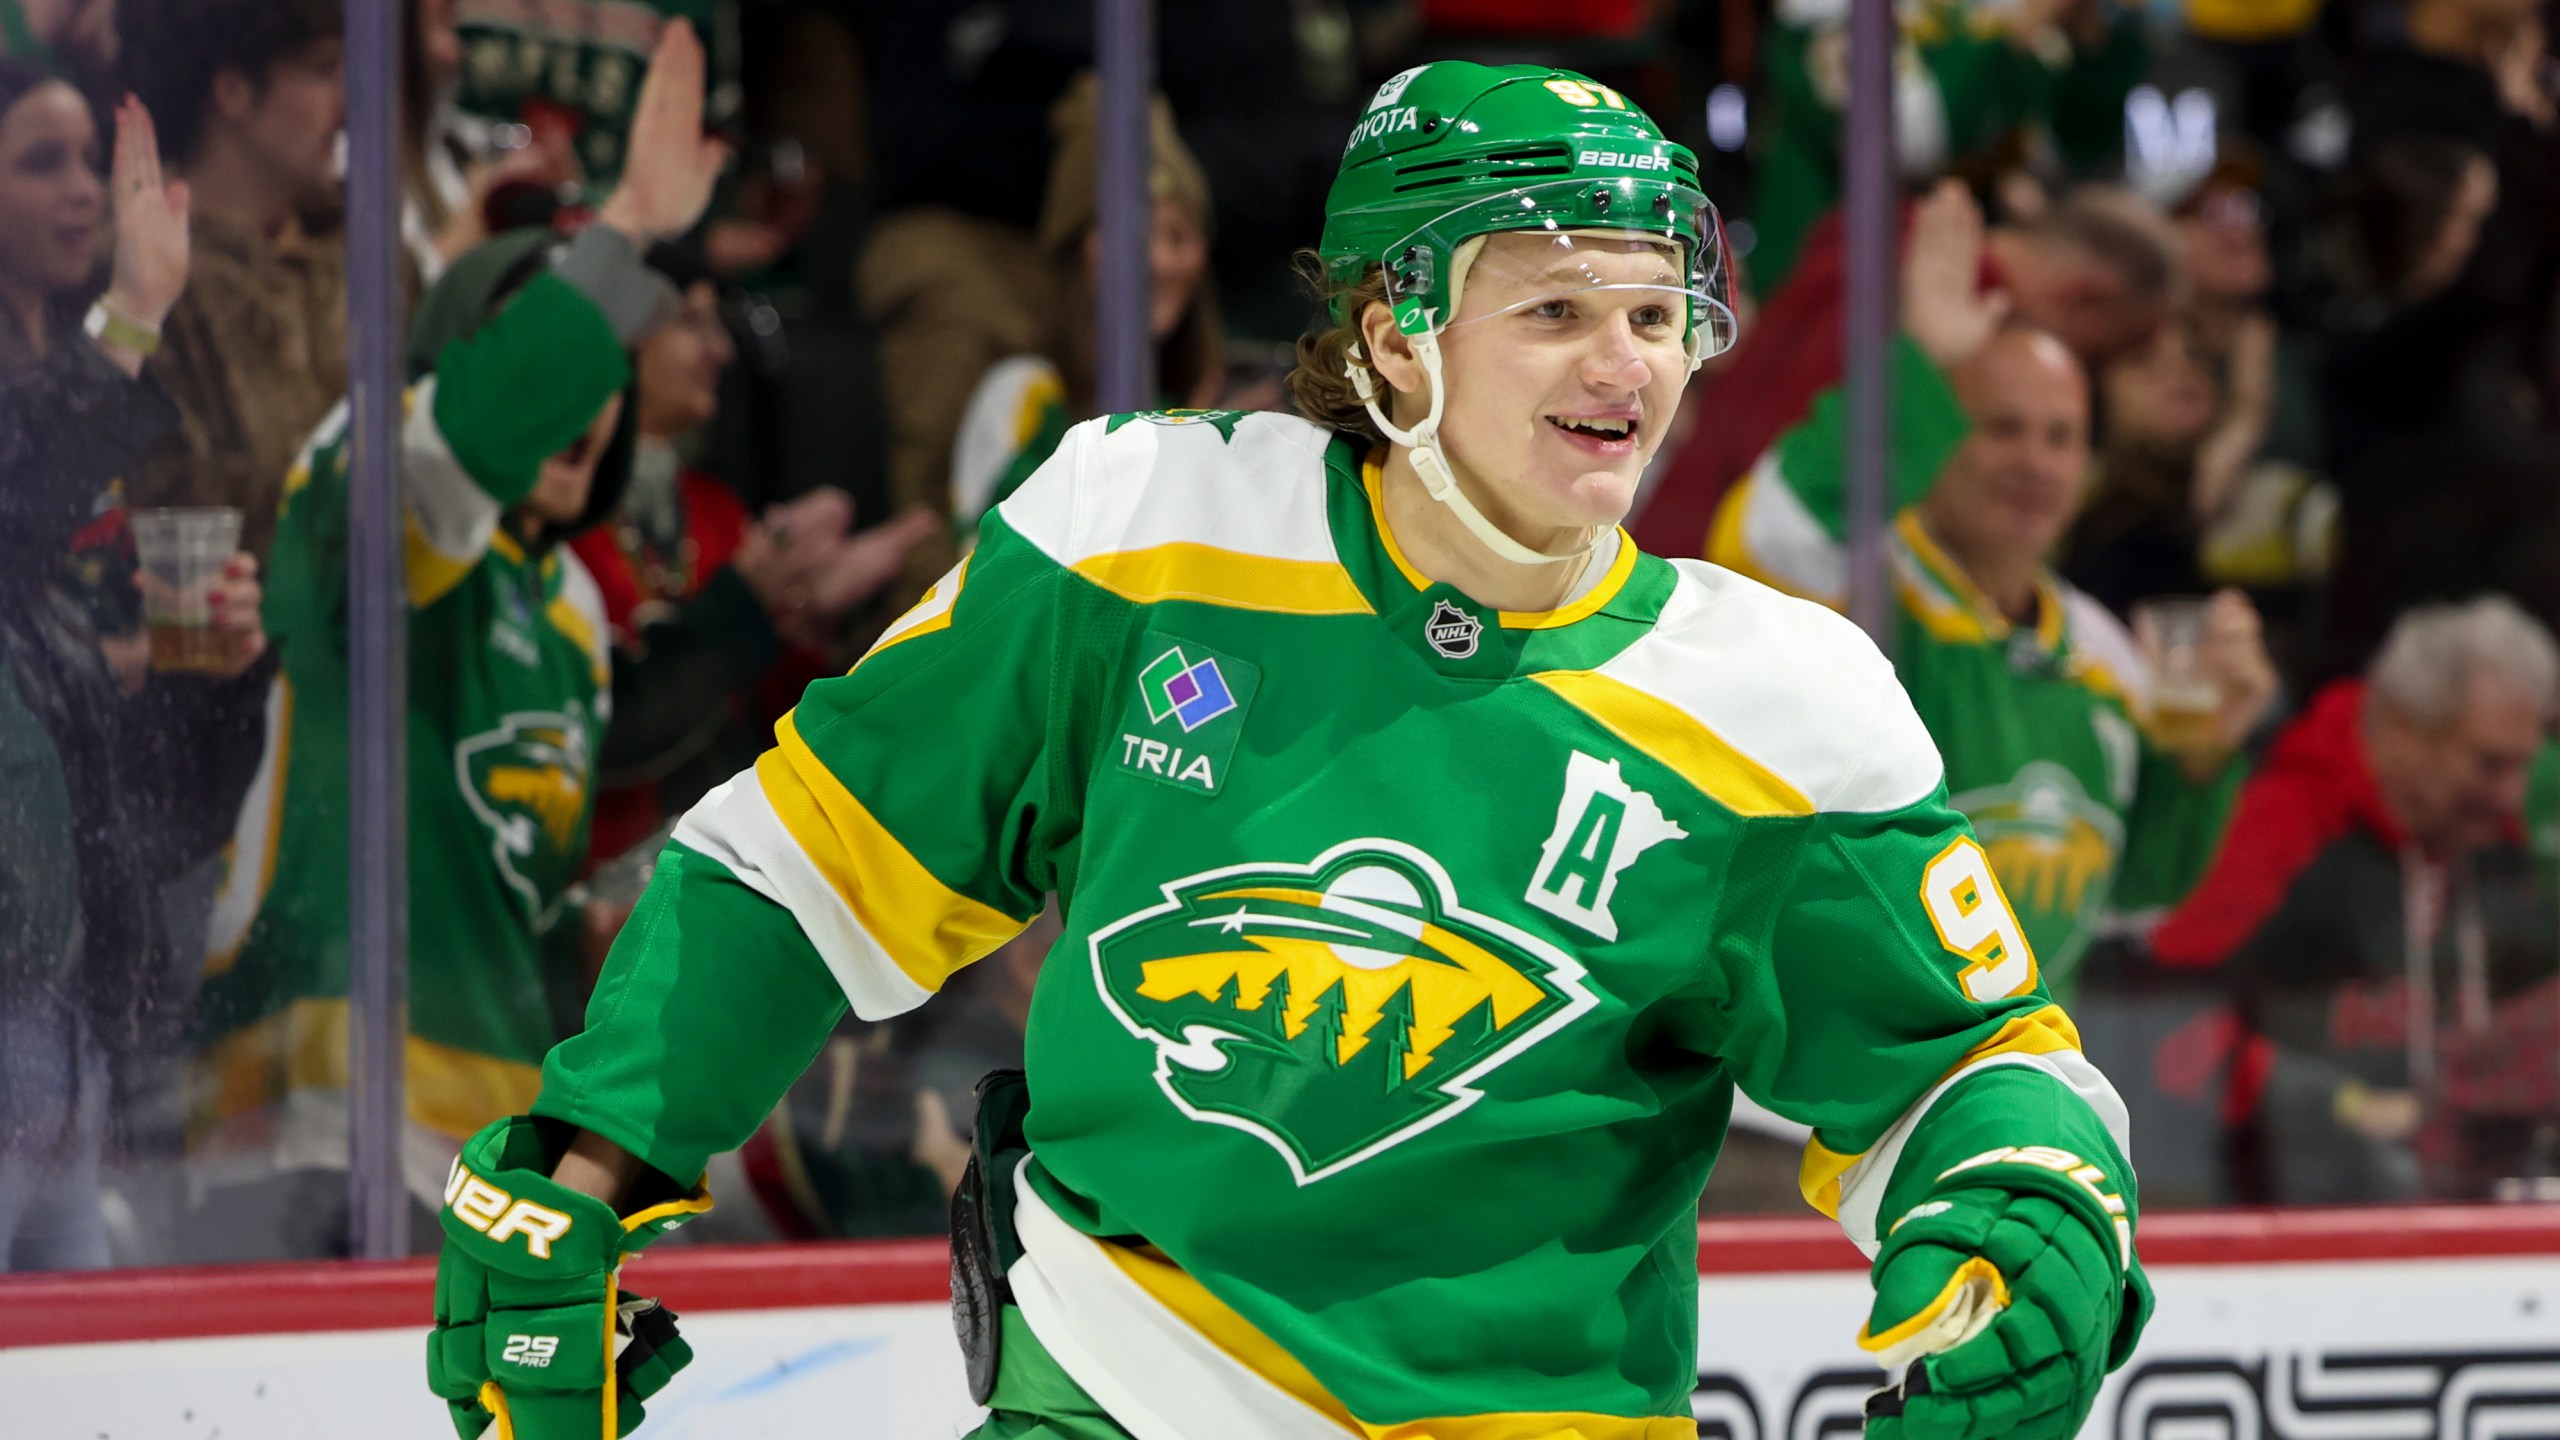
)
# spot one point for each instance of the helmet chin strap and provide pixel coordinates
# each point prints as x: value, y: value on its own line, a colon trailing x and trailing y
x: 1438, y: 480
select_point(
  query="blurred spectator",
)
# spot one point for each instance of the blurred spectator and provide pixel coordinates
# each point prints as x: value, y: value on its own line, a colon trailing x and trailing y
x: 2037, y: 697
x: 1971, y: 79
x: 569, y: 70
x: 960, y: 91
x: 2099, y: 270
x: 954, y: 296
x: 2266, y: 518
x: 453, y: 172
x: 1024, y: 403
x: 2373, y: 906
x: 2439, y: 385
x: 2434, y: 393
x: 704, y: 602
x: 75, y: 38
x: 518, y: 437
x: 2176, y: 448
x: 84, y: 836
x: 251, y: 96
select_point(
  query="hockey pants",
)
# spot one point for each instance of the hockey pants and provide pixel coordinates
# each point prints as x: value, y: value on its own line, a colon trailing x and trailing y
x: 1034, y: 1399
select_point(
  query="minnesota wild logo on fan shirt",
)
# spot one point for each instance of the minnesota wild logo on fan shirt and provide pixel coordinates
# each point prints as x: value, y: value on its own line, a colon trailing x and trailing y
x: 526, y: 780
x: 2055, y: 850
x: 1333, y: 1009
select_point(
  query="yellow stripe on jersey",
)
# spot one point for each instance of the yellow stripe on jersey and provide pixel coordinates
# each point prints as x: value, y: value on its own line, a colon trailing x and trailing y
x: 568, y: 620
x: 451, y: 1091
x: 1190, y: 1302
x: 432, y: 573
x: 1819, y: 1176
x: 927, y: 928
x: 1680, y: 741
x: 1589, y: 605
x: 931, y: 613
x: 2038, y: 1032
x: 268, y: 802
x: 2042, y: 1031
x: 1184, y: 570
x: 1726, y: 542
x: 1539, y: 1425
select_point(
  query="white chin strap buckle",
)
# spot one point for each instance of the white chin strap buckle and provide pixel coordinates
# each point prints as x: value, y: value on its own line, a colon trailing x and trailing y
x: 1438, y: 480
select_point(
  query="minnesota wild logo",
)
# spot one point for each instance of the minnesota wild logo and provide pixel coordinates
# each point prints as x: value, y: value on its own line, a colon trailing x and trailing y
x: 1333, y: 1010
x: 526, y: 780
x: 2054, y: 849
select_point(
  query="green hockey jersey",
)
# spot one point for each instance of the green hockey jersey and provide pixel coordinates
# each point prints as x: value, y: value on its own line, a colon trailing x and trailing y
x: 1413, y: 950
x: 2086, y: 821
x: 508, y: 697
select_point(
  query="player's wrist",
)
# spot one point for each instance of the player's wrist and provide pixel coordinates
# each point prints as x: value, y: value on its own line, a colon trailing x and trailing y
x: 504, y: 1208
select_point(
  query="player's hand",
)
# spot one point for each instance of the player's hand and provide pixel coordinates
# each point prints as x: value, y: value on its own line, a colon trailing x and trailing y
x: 670, y: 165
x: 534, y: 1339
x: 2006, y: 1305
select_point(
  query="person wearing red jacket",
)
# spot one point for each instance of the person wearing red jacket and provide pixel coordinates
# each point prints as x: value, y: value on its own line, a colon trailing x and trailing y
x: 2375, y: 913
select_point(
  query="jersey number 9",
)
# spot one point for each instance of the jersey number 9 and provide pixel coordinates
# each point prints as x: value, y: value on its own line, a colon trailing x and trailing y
x: 1974, y: 920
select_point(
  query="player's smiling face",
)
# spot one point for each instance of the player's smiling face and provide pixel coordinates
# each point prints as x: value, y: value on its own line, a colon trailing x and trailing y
x: 1560, y: 390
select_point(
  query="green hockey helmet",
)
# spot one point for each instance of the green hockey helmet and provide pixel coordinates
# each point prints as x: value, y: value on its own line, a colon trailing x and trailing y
x: 1452, y: 151
x: 1449, y: 153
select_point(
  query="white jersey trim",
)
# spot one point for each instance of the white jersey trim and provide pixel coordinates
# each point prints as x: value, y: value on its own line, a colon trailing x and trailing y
x: 1785, y: 540
x: 2095, y: 635
x: 1260, y: 491
x: 1863, y: 1185
x: 1158, y: 1377
x: 1796, y: 688
x: 454, y: 516
x: 585, y: 599
x: 993, y: 429
x: 736, y: 825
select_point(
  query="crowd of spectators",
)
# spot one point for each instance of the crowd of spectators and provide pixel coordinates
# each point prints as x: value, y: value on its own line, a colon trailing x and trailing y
x: 2224, y: 489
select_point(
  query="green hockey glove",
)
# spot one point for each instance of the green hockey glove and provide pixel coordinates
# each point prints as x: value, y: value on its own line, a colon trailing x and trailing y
x: 2008, y: 1305
x: 533, y: 1333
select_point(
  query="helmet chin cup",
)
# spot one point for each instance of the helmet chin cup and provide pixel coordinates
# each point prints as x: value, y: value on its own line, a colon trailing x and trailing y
x: 1432, y: 468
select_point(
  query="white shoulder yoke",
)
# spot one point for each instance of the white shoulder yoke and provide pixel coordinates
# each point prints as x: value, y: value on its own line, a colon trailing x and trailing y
x: 1215, y: 507
x: 1770, y: 705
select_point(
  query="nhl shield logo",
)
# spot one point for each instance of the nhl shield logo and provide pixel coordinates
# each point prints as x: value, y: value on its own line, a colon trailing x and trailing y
x: 1452, y: 631
x: 1332, y: 1010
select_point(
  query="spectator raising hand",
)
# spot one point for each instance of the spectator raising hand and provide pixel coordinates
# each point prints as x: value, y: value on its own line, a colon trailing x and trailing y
x: 1945, y: 309
x: 667, y: 178
x: 151, y: 236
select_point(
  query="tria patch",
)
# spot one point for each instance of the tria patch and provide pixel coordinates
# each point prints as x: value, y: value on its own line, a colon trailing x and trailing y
x: 1181, y: 726
x: 1332, y: 1010
x: 1452, y: 631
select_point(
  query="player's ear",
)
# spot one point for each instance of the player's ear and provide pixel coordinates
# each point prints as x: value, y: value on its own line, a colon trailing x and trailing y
x: 1389, y: 349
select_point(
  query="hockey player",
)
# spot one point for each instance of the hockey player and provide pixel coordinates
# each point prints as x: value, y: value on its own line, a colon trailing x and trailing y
x: 514, y: 438
x: 2039, y: 701
x: 1434, y: 868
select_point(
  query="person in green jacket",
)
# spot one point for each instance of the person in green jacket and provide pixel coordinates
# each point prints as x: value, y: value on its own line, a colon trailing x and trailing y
x: 2036, y: 696
x: 516, y: 437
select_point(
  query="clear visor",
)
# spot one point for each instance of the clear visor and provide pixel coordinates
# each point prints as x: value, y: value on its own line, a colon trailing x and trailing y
x: 1557, y: 253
